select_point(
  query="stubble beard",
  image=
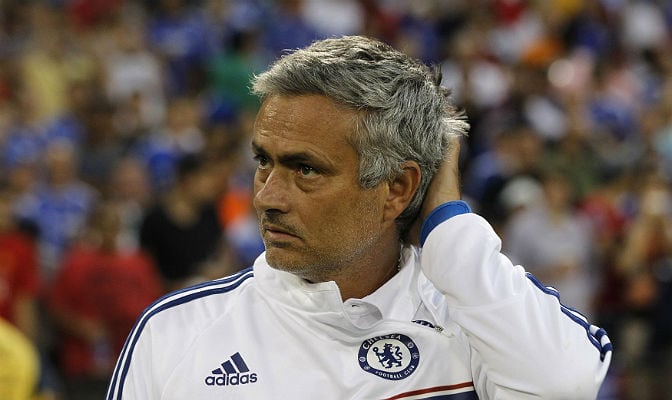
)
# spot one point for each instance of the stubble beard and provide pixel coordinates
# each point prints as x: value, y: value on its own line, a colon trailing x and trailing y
x: 320, y: 265
x: 311, y: 265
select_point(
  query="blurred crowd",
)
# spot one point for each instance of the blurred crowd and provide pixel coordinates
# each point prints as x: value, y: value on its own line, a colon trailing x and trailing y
x: 125, y: 170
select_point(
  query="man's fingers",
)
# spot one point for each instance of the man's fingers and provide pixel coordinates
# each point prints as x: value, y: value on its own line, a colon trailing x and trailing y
x: 445, y: 185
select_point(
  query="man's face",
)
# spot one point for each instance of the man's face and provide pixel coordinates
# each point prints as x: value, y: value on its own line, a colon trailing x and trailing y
x: 314, y: 217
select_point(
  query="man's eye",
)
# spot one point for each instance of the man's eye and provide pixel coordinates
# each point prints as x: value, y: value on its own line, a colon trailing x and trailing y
x: 306, y: 170
x: 262, y: 162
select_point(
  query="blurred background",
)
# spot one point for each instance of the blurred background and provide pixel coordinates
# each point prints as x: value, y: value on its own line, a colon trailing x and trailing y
x: 125, y: 169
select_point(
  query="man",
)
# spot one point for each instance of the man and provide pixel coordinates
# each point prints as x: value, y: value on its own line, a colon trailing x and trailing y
x: 342, y: 305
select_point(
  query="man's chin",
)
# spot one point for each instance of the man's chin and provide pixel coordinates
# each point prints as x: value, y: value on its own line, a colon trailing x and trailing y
x: 279, y: 259
x: 283, y: 260
x: 312, y: 270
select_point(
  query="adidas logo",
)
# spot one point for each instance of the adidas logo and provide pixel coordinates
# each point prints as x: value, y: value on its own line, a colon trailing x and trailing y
x: 231, y: 372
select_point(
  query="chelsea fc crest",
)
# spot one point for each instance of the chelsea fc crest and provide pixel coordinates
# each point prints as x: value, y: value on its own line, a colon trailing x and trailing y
x: 393, y: 356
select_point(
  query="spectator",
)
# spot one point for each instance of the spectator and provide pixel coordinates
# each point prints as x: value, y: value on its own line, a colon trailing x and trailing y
x: 132, y: 72
x: 177, y: 32
x: 24, y: 139
x: 230, y: 73
x: 52, y: 63
x: 69, y: 124
x: 335, y: 18
x: 19, y: 275
x: 515, y: 152
x: 287, y: 28
x: 59, y: 206
x: 645, y: 261
x: 606, y: 209
x: 129, y: 187
x: 179, y: 136
x: 117, y: 285
x: 554, y: 242
x: 101, y: 148
x: 182, y: 230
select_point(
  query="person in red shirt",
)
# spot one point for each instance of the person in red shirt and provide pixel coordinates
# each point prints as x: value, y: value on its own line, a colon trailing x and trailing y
x: 19, y: 275
x: 98, y: 294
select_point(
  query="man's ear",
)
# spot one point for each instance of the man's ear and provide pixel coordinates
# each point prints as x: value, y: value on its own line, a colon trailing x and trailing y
x: 402, y: 188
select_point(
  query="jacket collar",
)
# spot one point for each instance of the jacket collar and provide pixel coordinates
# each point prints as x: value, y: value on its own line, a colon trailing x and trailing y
x: 397, y: 299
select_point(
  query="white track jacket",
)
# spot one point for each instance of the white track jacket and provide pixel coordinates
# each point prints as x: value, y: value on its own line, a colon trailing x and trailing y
x: 459, y: 321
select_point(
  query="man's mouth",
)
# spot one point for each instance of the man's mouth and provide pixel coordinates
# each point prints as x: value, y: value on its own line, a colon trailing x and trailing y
x: 275, y: 232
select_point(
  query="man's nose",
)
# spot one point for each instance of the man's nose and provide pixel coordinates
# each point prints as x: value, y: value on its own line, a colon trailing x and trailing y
x: 272, y: 193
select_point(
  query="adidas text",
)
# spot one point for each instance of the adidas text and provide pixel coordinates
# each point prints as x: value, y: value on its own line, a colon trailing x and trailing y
x: 230, y: 380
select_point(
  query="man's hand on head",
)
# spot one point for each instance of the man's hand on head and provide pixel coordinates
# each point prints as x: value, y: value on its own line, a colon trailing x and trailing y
x: 445, y: 187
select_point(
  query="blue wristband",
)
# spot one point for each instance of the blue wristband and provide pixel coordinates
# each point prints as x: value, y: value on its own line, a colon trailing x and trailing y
x: 440, y: 214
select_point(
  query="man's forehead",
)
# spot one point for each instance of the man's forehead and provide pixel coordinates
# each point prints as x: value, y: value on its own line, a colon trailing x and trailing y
x: 308, y: 121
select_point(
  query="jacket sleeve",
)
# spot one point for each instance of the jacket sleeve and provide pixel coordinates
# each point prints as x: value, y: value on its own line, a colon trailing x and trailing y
x: 134, y: 376
x: 524, y: 342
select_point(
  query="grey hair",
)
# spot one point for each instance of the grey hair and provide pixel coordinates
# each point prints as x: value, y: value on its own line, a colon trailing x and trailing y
x: 404, y: 113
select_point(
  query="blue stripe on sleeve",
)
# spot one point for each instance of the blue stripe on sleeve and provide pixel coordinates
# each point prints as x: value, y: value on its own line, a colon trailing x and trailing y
x: 440, y: 214
x: 179, y: 297
x: 597, y: 336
